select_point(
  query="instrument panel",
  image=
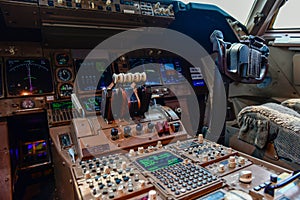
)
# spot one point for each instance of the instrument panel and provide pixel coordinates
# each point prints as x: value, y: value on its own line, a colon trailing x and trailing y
x: 28, y: 77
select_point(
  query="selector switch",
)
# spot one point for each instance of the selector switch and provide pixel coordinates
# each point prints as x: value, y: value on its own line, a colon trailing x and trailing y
x: 245, y: 176
x: 114, y: 133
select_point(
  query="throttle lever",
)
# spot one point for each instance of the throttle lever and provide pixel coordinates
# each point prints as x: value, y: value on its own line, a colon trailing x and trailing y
x: 270, y: 189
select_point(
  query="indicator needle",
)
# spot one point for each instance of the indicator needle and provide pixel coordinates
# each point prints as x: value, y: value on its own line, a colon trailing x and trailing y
x: 29, y: 78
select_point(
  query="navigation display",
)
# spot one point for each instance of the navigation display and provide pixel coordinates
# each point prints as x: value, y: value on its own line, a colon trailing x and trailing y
x: 171, y: 72
x: 91, y: 104
x: 158, y: 161
x: 146, y: 65
x: 89, y: 78
x: 28, y: 77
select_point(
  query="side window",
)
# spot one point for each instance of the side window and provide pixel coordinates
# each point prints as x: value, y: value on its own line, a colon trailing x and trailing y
x: 288, y: 16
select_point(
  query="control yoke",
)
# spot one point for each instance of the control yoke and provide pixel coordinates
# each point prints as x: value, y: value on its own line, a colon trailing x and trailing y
x: 245, y: 62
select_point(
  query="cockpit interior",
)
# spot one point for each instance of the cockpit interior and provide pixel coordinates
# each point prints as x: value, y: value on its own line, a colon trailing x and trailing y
x: 149, y: 100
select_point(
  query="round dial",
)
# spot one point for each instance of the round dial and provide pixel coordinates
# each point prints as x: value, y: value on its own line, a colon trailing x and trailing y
x: 65, y: 90
x: 62, y: 59
x: 27, y: 104
x: 64, y: 74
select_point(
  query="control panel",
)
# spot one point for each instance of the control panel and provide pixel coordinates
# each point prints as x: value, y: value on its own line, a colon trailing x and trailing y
x: 149, y: 8
x: 166, y: 172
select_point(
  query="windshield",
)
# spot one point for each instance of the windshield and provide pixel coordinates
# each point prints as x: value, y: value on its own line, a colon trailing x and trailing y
x: 239, y: 9
x: 288, y: 16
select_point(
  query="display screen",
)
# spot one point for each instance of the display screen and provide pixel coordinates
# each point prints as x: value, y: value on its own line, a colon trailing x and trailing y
x: 28, y: 77
x: 91, y: 104
x: 62, y: 105
x: 146, y: 65
x: 171, y: 72
x: 89, y: 78
x: 158, y: 161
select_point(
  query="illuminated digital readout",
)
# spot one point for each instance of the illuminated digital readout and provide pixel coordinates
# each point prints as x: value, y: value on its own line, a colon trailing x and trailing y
x: 158, y: 161
x: 92, y: 104
x: 61, y: 105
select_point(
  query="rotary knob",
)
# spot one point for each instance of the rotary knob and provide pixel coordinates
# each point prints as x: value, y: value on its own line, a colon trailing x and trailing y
x: 114, y: 133
x: 150, y: 127
x: 127, y: 131
x: 139, y: 129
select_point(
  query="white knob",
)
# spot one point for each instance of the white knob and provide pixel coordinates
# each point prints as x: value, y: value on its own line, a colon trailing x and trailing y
x: 241, y: 160
x: 131, y: 152
x: 205, y: 158
x: 123, y: 165
x: 140, y: 150
x: 106, y: 170
x: 245, y: 176
x: 150, y: 149
x: 200, y: 138
x: 120, y: 190
x: 142, y: 183
x: 152, y: 195
x: 159, y: 144
x: 221, y: 168
x: 156, y: 6
x: 108, y: 2
x: 232, y: 159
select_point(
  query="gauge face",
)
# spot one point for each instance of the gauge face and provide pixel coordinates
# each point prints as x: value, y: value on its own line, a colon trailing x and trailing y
x: 27, y: 104
x: 62, y: 59
x: 28, y: 77
x: 64, y: 74
x: 65, y: 90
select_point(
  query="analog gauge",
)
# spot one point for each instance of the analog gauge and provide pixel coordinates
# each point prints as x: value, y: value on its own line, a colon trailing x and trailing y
x: 64, y: 74
x: 27, y: 104
x: 62, y: 59
x: 65, y: 90
x: 28, y: 77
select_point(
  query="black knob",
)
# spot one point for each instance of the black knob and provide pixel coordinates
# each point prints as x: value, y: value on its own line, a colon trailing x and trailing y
x: 139, y: 127
x: 150, y: 125
x: 127, y: 131
x: 114, y: 133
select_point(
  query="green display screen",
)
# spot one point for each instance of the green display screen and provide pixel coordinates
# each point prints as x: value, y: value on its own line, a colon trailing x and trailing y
x: 158, y: 161
x: 61, y: 105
